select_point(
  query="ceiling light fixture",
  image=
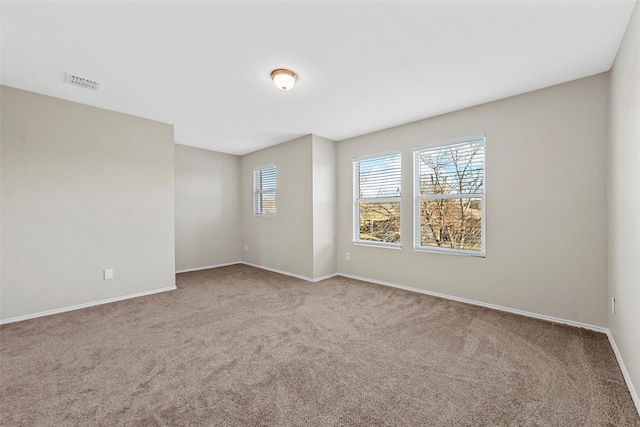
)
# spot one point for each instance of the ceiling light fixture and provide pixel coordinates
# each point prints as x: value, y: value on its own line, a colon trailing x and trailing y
x: 283, y: 79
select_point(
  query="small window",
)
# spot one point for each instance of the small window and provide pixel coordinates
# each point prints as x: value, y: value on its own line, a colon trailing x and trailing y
x: 449, y: 198
x: 264, y: 191
x: 376, y: 200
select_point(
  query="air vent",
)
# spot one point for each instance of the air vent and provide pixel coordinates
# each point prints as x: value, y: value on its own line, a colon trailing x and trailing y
x: 83, y: 82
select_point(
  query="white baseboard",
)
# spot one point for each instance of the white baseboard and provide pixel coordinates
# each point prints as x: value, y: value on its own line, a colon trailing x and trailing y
x: 207, y: 267
x: 85, y: 305
x: 328, y: 276
x: 625, y: 373
x: 286, y: 273
x: 483, y: 304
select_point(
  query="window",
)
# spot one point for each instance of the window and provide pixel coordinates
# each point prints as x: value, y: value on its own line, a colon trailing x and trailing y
x: 264, y: 191
x: 376, y: 200
x: 449, y: 198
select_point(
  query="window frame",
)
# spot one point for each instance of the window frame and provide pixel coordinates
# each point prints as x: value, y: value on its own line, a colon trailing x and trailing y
x: 417, y: 198
x: 258, y: 193
x: 356, y: 201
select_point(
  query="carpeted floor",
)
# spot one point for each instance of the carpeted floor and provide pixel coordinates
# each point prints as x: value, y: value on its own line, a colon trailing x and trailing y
x: 242, y: 346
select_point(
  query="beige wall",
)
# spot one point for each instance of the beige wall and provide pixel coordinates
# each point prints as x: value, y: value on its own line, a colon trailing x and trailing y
x: 324, y: 206
x: 545, y: 204
x: 623, y: 200
x: 207, y: 208
x: 283, y: 242
x: 301, y: 239
x: 83, y: 189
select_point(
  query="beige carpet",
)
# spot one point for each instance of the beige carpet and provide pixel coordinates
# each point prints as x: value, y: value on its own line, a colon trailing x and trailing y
x: 242, y: 346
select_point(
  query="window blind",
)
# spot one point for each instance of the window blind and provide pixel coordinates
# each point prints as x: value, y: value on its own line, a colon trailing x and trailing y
x: 264, y: 185
x: 378, y: 177
x: 451, y: 169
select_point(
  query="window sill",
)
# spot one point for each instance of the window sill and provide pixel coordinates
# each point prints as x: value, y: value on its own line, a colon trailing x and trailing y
x: 377, y: 245
x: 457, y: 252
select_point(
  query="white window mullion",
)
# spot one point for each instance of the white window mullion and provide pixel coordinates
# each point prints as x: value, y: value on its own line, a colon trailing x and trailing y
x: 449, y: 196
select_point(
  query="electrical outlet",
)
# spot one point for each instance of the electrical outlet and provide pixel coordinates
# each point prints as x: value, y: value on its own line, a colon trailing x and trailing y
x: 108, y: 274
x: 246, y: 248
x: 613, y: 305
x: 347, y: 256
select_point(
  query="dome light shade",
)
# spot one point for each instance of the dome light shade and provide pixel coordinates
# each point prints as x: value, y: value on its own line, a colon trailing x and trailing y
x: 283, y: 79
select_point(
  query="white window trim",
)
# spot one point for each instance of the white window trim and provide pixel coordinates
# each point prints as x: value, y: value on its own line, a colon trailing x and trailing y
x: 256, y: 191
x: 356, y: 204
x: 417, y: 197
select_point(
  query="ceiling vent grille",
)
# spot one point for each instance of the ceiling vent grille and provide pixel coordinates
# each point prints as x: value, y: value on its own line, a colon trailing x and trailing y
x: 83, y: 82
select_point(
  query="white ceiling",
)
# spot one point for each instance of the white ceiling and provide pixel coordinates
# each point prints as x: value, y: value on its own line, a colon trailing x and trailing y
x: 362, y: 66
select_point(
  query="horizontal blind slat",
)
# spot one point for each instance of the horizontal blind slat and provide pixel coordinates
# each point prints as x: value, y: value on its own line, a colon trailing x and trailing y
x: 378, y: 176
